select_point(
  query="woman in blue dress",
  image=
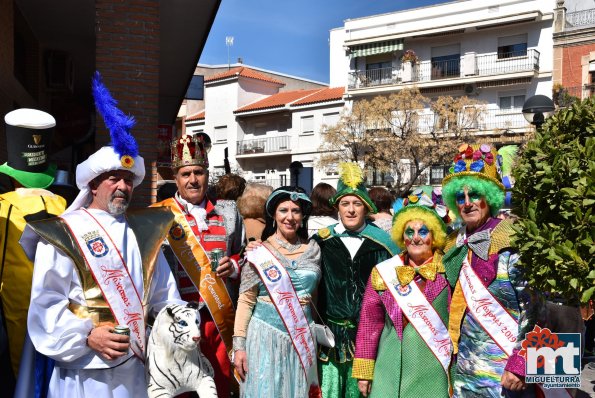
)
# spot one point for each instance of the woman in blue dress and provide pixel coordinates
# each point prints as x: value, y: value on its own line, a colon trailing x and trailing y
x: 264, y: 355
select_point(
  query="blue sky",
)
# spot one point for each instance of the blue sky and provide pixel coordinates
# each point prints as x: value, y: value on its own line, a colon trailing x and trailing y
x: 290, y: 37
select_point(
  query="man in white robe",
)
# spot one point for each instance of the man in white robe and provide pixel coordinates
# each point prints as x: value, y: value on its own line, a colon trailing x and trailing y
x: 90, y: 360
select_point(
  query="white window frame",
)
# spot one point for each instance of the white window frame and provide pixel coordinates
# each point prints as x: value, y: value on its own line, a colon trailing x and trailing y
x: 516, y: 102
x: 219, y: 132
x: 331, y: 170
x: 334, y: 119
x: 305, y: 128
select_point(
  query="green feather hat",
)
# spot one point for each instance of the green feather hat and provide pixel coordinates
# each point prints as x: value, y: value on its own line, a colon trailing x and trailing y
x: 351, y: 182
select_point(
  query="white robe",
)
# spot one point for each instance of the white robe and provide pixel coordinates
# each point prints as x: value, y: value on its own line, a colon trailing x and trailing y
x: 57, y: 333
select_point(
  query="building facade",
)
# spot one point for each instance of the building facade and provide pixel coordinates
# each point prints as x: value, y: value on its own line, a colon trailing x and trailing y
x: 262, y: 129
x: 500, y: 53
x: 574, y: 50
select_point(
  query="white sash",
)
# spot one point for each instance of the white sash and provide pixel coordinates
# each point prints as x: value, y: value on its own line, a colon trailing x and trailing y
x: 111, y: 274
x: 486, y: 309
x: 419, y: 312
x: 493, y: 318
x: 283, y: 295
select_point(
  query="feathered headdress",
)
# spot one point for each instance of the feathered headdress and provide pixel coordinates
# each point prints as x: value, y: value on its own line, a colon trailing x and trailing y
x: 118, y: 123
x: 351, y: 182
x: 121, y: 154
x: 351, y: 174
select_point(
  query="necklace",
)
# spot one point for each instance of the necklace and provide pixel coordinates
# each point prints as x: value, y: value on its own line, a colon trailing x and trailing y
x: 288, y: 246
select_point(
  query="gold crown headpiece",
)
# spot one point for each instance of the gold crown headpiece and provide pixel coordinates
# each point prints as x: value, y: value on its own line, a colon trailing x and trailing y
x: 189, y: 150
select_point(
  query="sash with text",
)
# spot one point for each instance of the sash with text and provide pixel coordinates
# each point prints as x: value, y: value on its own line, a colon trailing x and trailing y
x: 195, y: 261
x: 109, y: 270
x: 278, y: 283
x: 418, y: 310
x: 493, y: 318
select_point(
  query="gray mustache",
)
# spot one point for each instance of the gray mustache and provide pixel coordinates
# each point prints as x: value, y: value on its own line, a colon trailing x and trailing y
x: 120, y: 194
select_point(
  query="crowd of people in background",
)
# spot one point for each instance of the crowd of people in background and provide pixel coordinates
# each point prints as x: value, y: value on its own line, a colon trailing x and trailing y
x: 341, y: 292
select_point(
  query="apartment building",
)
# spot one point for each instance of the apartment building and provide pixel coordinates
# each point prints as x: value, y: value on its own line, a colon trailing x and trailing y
x: 262, y: 129
x: 499, y: 52
x: 574, y: 50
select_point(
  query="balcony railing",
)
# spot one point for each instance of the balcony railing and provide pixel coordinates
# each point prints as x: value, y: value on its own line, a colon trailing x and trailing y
x: 487, y: 120
x: 273, y: 182
x: 447, y: 69
x: 580, y: 18
x: 565, y: 96
x: 496, y: 64
x: 468, y: 65
x: 263, y: 145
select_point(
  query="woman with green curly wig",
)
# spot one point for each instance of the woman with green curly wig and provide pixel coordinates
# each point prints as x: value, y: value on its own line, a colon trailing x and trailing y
x: 397, y: 352
x: 481, y: 267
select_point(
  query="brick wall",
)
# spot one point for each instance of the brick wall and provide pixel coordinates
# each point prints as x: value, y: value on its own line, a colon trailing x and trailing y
x: 572, y: 70
x: 127, y: 56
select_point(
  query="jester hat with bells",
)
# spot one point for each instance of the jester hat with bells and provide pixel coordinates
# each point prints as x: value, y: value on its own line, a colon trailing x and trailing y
x: 120, y: 154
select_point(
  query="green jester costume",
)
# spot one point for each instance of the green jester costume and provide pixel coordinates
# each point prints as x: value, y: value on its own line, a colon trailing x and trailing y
x: 348, y: 258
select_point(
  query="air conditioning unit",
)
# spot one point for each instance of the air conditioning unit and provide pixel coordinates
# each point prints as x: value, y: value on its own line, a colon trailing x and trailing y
x: 471, y: 89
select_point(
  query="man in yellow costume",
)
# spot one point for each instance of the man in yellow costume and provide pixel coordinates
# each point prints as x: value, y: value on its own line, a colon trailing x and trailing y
x: 25, y: 176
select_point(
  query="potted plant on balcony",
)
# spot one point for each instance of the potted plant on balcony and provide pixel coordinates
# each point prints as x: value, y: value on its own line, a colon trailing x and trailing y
x: 408, y: 60
x: 409, y: 56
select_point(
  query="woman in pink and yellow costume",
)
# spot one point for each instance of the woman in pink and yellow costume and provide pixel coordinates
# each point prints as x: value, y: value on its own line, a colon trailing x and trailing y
x: 402, y: 347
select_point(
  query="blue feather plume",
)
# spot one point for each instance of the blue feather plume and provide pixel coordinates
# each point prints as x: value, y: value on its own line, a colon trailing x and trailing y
x: 115, y: 120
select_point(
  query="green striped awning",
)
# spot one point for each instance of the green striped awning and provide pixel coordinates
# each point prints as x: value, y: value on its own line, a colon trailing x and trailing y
x: 379, y: 47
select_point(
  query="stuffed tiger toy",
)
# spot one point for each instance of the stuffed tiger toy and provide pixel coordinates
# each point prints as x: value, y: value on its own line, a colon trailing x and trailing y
x: 174, y: 362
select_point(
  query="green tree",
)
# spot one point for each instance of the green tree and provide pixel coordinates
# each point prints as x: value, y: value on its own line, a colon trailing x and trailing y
x: 554, y: 194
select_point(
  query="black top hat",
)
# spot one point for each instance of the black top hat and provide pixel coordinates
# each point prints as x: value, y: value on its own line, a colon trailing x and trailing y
x: 29, y: 134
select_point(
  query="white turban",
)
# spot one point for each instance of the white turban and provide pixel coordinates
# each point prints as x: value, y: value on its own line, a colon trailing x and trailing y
x: 104, y: 160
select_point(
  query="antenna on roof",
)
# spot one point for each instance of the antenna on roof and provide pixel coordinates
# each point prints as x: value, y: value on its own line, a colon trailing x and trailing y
x: 228, y: 43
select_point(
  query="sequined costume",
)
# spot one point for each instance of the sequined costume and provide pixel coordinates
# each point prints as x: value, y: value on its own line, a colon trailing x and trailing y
x: 480, y: 361
x: 340, y: 296
x: 389, y: 351
x: 274, y: 368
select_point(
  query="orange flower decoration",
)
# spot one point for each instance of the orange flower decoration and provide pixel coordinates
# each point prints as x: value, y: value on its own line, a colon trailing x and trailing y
x: 538, y: 338
x: 127, y: 161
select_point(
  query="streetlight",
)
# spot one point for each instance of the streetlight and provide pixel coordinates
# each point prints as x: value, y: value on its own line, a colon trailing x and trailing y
x: 538, y: 108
